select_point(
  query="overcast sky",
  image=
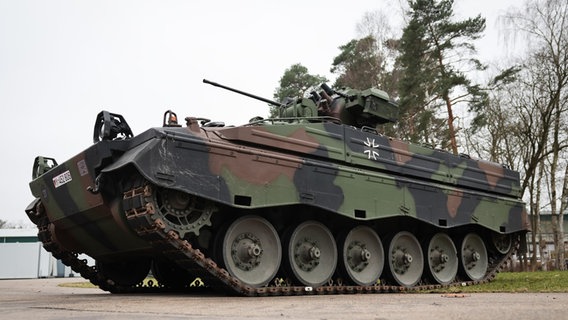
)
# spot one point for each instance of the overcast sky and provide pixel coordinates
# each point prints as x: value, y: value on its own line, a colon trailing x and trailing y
x: 62, y: 62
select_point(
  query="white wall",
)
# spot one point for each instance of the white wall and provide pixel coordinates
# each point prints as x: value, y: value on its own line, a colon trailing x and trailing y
x: 22, y: 260
x: 25, y: 260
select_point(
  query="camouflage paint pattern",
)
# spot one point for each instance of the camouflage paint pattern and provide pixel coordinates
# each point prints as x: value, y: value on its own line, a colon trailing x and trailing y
x: 340, y: 169
x: 84, y: 221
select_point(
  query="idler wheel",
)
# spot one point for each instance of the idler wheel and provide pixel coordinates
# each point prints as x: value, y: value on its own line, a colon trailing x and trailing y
x: 502, y: 242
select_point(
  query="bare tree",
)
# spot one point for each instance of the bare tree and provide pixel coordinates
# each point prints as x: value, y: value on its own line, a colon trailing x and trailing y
x: 545, y: 25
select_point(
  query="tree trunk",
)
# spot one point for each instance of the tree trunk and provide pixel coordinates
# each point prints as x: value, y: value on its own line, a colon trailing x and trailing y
x: 563, y: 208
x: 451, y: 129
x: 554, y: 210
x: 557, y: 229
x: 535, y: 217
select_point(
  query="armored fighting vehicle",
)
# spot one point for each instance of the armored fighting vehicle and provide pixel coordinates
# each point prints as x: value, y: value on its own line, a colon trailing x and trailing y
x: 314, y: 201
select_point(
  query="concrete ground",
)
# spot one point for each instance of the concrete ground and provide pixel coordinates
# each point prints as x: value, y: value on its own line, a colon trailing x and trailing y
x: 44, y: 299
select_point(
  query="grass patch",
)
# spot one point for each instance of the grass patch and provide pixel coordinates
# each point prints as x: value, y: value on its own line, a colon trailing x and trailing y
x: 84, y: 284
x: 541, y: 281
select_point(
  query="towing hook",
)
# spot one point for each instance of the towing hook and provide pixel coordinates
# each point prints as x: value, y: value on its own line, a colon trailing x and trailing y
x: 96, y: 188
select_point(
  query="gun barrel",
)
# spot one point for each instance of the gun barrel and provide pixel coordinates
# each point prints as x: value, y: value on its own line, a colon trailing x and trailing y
x: 243, y: 93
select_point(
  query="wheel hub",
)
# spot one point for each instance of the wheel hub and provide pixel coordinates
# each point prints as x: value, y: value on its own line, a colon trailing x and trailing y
x: 246, y: 251
x: 365, y: 255
x: 178, y: 200
x: 475, y: 256
x: 307, y: 254
x: 358, y: 256
x: 438, y: 259
x: 472, y: 257
x: 401, y: 260
x: 315, y: 253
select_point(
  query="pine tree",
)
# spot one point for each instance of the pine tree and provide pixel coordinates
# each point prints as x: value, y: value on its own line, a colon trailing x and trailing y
x: 359, y: 65
x: 435, y: 54
x: 295, y: 83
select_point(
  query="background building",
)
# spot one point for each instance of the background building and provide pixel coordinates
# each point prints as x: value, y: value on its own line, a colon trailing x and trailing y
x: 545, y: 239
x: 22, y: 256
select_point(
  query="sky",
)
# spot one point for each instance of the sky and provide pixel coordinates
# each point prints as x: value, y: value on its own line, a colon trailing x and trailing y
x: 63, y: 61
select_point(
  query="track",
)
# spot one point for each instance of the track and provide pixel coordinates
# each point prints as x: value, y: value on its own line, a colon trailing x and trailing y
x: 139, y: 212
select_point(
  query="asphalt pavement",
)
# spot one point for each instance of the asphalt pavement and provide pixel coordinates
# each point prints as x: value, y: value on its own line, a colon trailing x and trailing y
x: 45, y: 299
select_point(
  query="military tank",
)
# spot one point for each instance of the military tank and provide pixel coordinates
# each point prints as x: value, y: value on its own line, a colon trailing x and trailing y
x: 314, y: 201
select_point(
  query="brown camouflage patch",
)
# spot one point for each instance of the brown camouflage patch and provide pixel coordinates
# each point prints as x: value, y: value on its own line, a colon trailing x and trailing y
x: 263, y: 170
x: 454, y: 202
x: 401, y: 151
x: 266, y: 167
x: 492, y: 171
x: 298, y: 141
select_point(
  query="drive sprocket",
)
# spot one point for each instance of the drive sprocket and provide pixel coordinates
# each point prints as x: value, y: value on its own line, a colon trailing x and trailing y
x: 180, y: 211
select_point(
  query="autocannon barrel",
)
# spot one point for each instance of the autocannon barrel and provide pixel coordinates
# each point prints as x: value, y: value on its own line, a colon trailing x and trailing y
x: 243, y: 93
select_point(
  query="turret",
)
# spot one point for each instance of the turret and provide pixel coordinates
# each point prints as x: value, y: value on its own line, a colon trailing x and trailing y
x: 367, y: 108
